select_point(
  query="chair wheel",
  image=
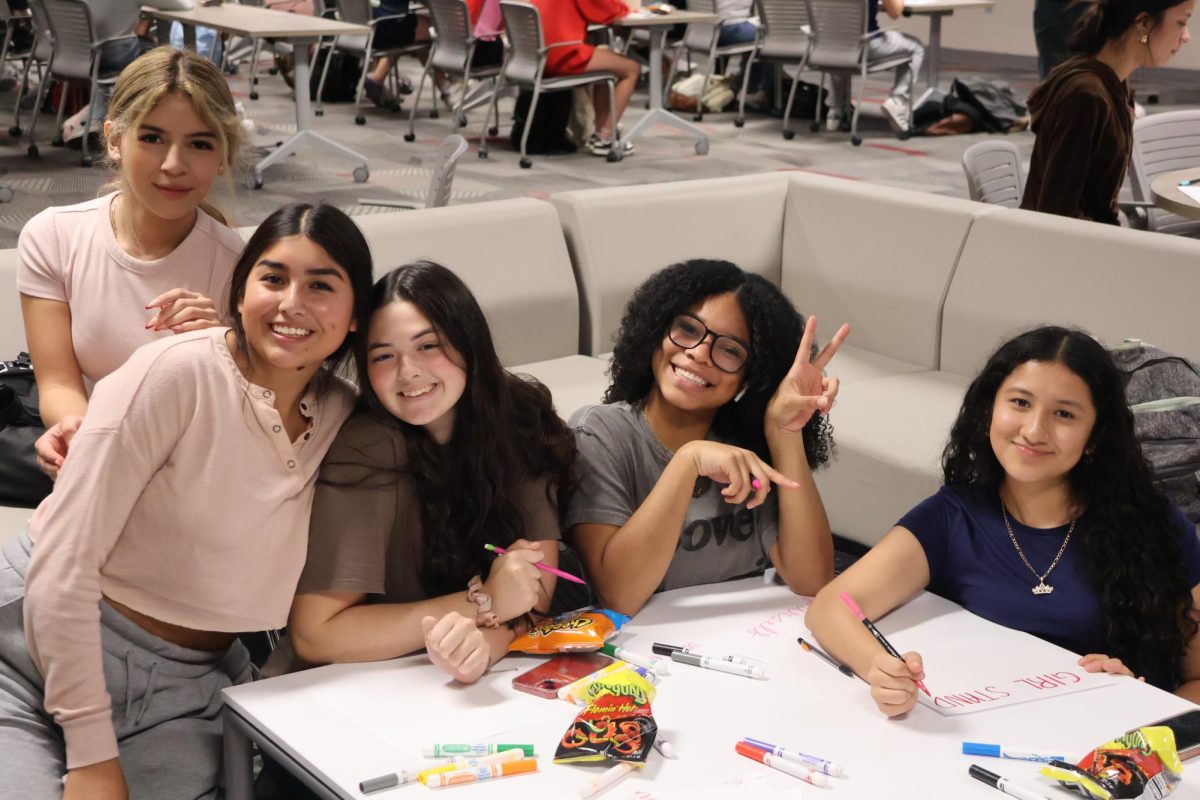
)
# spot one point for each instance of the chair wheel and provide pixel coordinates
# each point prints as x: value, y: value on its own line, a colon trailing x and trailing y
x: 612, y: 157
x: 254, y: 181
x: 856, y: 140
x: 15, y: 130
x: 320, y: 112
x: 905, y: 135
x: 254, y: 95
x: 434, y: 113
x: 32, y: 151
x: 361, y: 174
x: 739, y: 122
x: 697, y: 118
x: 410, y: 137
x: 815, y: 127
x: 396, y: 107
x: 86, y: 161
x: 462, y: 122
x: 360, y: 120
x: 272, y: 71
x: 57, y: 141
x: 702, y: 147
x: 6, y: 194
x: 526, y: 163
x: 493, y: 131
x: 483, y: 154
x: 254, y: 81
x: 789, y: 134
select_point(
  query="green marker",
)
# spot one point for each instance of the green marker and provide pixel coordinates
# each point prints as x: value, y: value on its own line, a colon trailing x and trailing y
x: 473, y: 750
x: 657, y: 667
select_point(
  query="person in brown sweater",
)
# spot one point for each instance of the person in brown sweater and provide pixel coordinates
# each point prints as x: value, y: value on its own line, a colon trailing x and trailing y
x: 1083, y: 113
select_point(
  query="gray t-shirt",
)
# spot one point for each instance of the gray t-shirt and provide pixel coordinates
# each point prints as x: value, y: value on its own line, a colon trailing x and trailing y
x: 620, y: 460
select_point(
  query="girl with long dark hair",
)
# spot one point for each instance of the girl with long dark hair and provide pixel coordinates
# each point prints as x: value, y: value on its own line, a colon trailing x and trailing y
x: 451, y: 452
x: 1048, y: 522
x: 717, y: 393
x: 178, y: 521
x: 1083, y: 112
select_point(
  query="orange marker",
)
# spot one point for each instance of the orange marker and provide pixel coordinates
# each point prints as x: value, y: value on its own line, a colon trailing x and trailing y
x: 484, y: 773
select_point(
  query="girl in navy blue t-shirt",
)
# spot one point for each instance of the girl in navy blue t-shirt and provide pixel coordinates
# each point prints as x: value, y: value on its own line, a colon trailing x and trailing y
x: 1048, y: 523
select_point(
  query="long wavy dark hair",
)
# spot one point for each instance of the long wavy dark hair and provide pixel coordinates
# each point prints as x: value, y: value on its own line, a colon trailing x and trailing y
x: 1127, y: 532
x: 775, y: 330
x: 506, y: 432
x: 1105, y: 20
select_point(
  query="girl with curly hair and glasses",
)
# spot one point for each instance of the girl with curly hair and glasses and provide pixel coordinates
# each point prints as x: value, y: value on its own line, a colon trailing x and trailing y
x: 1049, y: 522
x: 717, y: 396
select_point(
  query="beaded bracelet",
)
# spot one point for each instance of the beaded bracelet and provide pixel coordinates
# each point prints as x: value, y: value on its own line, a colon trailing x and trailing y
x: 485, y: 618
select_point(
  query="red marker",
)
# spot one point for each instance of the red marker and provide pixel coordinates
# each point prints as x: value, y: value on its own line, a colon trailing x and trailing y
x: 775, y: 762
x: 853, y: 606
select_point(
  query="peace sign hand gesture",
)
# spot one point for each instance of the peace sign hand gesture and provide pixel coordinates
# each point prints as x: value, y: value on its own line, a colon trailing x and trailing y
x: 805, y: 390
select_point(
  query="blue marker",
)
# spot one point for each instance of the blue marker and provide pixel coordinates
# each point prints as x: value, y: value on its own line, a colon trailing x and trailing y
x: 812, y: 762
x: 1005, y: 751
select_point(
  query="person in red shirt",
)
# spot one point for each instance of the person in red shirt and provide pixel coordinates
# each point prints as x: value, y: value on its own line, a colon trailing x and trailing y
x: 567, y: 21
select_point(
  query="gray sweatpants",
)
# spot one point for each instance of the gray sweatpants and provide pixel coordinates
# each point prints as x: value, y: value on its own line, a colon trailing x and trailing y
x: 889, y: 43
x: 166, y: 703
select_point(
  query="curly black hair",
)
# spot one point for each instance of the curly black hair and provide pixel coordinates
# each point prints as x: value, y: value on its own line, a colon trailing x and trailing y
x: 1128, y: 533
x: 775, y: 331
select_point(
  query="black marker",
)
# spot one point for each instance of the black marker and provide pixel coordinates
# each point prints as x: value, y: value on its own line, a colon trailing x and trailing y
x: 828, y: 659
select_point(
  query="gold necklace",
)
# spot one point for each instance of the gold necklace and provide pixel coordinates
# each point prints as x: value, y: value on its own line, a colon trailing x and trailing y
x: 1042, y: 587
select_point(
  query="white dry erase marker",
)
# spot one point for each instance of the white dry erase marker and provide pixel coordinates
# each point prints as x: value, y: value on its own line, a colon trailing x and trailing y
x: 1004, y: 784
x: 609, y: 777
x: 1005, y: 751
x: 667, y: 649
x: 390, y: 781
x: 644, y: 662
x: 664, y: 747
x: 707, y: 662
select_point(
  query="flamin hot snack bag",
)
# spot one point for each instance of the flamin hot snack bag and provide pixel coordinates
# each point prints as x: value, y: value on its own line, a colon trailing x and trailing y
x: 1141, y: 765
x: 578, y: 631
x: 616, y: 724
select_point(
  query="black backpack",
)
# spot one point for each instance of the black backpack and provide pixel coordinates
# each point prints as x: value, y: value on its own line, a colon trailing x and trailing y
x: 1163, y: 391
x: 342, y: 81
x: 548, y: 135
x: 22, y: 482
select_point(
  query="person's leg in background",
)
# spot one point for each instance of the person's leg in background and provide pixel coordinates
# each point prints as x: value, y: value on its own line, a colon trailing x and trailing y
x: 744, y: 33
x: 627, y: 71
x: 892, y: 43
x: 1053, y: 21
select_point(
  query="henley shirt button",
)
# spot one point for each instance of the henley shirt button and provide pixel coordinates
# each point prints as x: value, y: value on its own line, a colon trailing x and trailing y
x: 276, y: 428
x: 267, y: 393
x: 291, y: 464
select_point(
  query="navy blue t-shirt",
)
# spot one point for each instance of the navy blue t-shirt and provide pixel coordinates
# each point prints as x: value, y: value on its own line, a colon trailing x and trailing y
x: 872, y: 10
x: 973, y: 562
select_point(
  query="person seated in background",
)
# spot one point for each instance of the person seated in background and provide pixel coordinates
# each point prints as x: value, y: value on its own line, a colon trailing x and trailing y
x: 1049, y: 522
x: 451, y: 452
x: 567, y: 21
x: 148, y: 259
x: 1083, y: 113
x: 881, y: 45
x: 716, y: 395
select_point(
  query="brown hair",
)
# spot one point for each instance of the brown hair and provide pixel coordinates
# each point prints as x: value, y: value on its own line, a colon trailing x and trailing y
x: 165, y: 71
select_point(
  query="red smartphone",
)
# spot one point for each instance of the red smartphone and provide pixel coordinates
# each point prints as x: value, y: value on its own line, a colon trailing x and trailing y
x: 547, y: 678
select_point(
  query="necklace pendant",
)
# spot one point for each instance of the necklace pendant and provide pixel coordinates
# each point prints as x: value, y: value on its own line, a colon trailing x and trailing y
x: 1042, y: 588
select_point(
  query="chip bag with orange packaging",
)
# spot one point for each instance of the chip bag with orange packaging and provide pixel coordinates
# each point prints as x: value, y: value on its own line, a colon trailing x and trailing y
x: 1141, y: 765
x: 574, y: 632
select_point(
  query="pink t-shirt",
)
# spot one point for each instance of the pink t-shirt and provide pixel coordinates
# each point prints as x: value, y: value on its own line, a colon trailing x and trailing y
x: 183, y: 499
x: 70, y: 254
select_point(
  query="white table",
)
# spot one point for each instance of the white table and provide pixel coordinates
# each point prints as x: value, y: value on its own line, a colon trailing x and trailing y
x: 936, y: 10
x: 253, y: 22
x: 337, y: 726
x: 1167, y: 195
x: 656, y: 26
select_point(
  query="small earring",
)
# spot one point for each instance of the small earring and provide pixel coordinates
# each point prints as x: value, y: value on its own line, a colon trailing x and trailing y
x: 741, y: 393
x: 1144, y: 39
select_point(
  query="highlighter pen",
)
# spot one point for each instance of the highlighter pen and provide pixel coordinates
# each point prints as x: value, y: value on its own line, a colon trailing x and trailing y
x: 853, y: 606
x: 543, y: 567
x: 828, y: 659
x: 1190, y: 182
x: 383, y: 782
x: 667, y: 649
x: 812, y: 762
x: 707, y: 662
x: 795, y: 770
x: 610, y: 776
x: 1004, y: 751
x: 1004, y: 784
x: 610, y: 649
x: 471, y: 763
x: 473, y: 750
x: 481, y: 773
x: 664, y: 747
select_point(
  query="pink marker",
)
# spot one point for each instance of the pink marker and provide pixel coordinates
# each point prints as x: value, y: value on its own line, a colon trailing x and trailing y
x: 756, y: 484
x: 853, y: 606
x: 539, y: 565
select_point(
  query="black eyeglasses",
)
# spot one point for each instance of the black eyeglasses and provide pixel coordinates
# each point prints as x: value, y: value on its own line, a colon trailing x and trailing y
x: 728, y: 353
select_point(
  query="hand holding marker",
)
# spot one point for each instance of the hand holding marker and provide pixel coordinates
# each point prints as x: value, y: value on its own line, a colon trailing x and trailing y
x: 853, y: 606
x: 544, y: 567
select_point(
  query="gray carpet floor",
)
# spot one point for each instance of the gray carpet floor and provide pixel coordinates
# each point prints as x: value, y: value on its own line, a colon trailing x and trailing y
x: 401, y: 170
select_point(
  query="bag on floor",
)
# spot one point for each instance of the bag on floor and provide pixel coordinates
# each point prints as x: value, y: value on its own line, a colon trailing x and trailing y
x: 22, y: 482
x: 995, y: 107
x: 548, y: 134
x: 1163, y: 391
x: 686, y: 93
x: 342, y: 81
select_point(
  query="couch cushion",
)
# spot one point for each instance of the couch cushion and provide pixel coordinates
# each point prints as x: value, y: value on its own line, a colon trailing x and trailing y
x: 853, y: 365
x: 877, y: 257
x: 512, y: 256
x: 12, y: 522
x: 574, y: 381
x: 890, y: 434
x: 12, y: 326
x: 618, y: 237
x: 1021, y: 268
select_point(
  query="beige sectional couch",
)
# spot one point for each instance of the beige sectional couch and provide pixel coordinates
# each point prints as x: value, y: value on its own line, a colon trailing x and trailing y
x: 930, y: 285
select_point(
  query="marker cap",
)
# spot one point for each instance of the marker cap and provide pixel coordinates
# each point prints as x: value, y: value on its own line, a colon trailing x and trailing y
x: 980, y: 749
x: 664, y: 649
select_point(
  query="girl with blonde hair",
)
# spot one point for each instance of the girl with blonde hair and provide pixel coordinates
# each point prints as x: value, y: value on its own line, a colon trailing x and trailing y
x: 148, y: 258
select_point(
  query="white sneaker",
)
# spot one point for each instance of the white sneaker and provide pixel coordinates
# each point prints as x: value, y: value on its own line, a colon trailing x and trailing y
x: 895, y: 111
x: 833, y: 120
x: 599, y: 147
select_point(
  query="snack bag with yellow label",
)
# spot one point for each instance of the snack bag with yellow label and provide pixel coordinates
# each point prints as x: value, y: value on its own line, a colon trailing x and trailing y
x: 616, y: 724
x: 578, y: 631
x: 1141, y: 765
